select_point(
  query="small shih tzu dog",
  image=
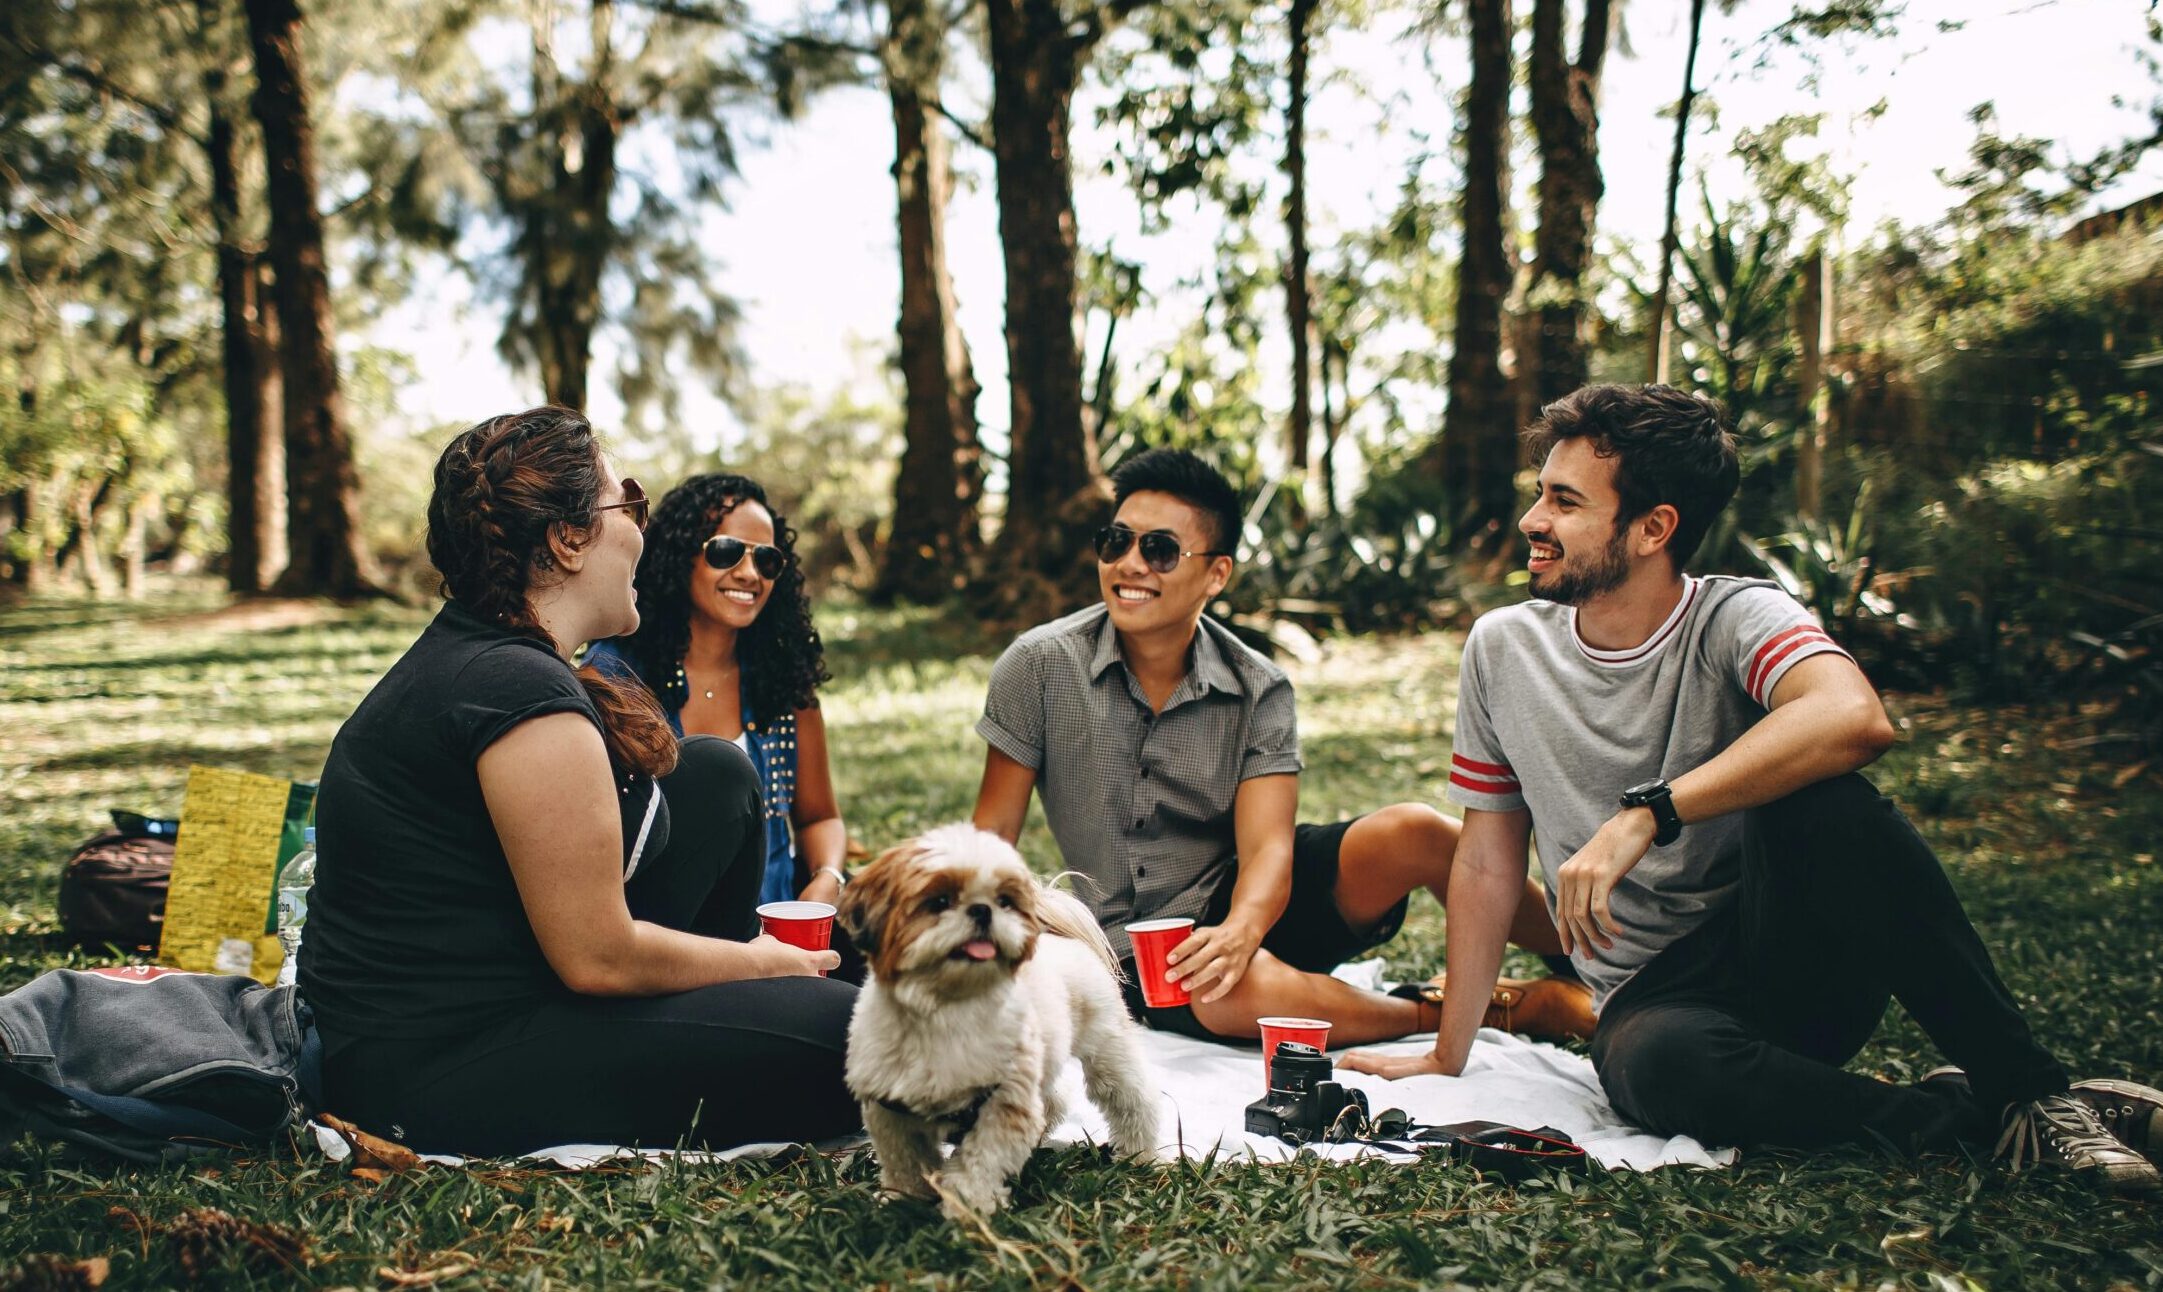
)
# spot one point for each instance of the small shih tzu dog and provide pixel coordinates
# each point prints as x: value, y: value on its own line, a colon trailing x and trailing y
x: 983, y: 980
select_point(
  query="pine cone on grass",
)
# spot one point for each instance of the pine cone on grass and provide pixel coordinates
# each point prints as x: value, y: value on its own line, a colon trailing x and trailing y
x: 204, y: 1238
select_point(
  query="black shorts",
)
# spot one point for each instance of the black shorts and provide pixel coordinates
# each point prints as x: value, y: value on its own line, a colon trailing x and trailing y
x: 1311, y: 935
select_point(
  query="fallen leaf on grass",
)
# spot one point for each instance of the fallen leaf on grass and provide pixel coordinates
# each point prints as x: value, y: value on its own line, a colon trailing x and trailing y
x: 1898, y: 1239
x: 373, y: 1156
x: 423, y: 1278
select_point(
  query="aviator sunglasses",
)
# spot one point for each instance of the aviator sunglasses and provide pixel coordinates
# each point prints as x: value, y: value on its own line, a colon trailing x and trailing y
x: 635, y: 503
x: 1160, y: 547
x: 723, y: 553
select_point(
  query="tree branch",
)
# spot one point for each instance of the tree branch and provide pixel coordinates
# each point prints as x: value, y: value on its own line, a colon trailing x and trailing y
x: 973, y: 133
x: 166, y: 118
x: 1101, y: 19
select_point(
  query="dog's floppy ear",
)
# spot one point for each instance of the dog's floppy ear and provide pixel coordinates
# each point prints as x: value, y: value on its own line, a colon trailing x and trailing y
x: 865, y: 902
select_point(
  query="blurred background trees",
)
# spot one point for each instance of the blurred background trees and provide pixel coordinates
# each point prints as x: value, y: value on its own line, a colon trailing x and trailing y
x: 207, y: 208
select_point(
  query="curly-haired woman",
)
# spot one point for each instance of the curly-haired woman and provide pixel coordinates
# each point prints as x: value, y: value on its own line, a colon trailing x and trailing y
x: 725, y: 641
x: 533, y: 920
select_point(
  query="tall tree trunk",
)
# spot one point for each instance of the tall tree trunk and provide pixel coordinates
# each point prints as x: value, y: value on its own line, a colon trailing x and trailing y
x: 323, y: 536
x: 81, y: 543
x: 1565, y: 118
x: 567, y: 244
x: 1659, y: 326
x: 1814, y: 331
x: 133, y: 546
x: 18, y: 517
x: 271, y: 484
x: 254, y: 437
x: 1053, y: 481
x: 1298, y: 290
x: 937, y: 493
x: 1335, y: 412
x: 1478, y: 449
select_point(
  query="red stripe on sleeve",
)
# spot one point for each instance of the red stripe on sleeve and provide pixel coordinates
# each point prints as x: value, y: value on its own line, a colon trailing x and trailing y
x: 1757, y: 662
x: 1766, y: 664
x: 1482, y: 786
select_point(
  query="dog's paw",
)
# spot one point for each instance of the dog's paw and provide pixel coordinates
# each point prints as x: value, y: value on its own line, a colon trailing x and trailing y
x: 960, y: 1200
x: 894, y: 1187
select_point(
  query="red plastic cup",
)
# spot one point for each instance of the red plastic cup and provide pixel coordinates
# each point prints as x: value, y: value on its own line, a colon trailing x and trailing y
x: 1153, y: 942
x: 809, y: 925
x: 1276, y: 1031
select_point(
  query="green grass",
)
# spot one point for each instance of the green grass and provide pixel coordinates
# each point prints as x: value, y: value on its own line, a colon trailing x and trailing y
x: 104, y: 706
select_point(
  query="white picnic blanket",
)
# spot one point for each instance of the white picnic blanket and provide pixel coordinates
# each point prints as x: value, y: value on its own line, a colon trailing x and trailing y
x: 1207, y: 1087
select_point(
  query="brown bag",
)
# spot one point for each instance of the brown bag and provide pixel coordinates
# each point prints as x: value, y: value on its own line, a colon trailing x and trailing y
x: 112, y: 891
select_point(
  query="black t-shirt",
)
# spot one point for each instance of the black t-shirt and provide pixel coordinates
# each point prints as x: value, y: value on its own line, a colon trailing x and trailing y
x: 415, y: 927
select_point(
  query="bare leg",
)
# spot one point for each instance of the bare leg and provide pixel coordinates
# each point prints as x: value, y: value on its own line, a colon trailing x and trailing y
x: 1408, y: 846
x: 1274, y: 987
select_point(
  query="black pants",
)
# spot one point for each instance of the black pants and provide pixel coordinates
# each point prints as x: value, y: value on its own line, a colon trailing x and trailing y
x: 733, y: 1063
x: 1736, y: 1034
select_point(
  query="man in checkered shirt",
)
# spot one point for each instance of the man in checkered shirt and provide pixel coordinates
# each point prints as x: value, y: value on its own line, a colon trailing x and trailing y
x: 1166, y: 753
x: 1687, y: 753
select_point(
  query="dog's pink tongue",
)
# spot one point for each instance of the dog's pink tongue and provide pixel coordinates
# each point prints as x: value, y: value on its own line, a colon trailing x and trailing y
x: 981, y: 949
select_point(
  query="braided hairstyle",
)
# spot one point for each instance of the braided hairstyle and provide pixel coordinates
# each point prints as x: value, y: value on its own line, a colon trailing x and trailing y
x: 501, y: 487
x: 782, y: 658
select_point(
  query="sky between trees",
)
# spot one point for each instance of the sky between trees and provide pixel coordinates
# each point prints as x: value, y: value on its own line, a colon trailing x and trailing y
x: 807, y: 242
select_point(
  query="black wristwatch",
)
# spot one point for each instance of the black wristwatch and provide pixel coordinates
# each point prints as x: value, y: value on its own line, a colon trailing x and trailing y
x: 1657, y: 796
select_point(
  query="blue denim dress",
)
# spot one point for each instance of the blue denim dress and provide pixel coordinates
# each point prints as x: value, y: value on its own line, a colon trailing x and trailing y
x: 771, y: 744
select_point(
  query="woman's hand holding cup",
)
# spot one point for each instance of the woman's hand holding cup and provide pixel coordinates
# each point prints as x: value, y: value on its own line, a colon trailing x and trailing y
x: 780, y: 960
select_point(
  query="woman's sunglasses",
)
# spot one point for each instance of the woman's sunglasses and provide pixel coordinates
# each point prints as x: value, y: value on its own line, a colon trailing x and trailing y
x: 1160, y: 547
x: 635, y: 502
x: 724, y: 553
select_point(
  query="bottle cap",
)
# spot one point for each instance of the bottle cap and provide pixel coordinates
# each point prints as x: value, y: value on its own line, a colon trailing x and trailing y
x: 307, y: 835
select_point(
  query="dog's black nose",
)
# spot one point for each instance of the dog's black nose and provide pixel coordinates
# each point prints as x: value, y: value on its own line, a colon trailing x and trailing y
x: 979, y: 912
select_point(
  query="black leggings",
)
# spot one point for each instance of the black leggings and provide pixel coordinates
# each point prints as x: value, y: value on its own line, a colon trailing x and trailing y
x: 733, y: 1063
x: 1736, y: 1034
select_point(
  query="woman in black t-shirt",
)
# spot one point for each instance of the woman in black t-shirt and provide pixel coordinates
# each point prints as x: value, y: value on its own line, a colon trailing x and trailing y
x: 533, y: 920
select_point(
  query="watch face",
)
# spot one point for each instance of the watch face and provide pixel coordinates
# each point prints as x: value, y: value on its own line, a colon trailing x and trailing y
x: 1647, y: 790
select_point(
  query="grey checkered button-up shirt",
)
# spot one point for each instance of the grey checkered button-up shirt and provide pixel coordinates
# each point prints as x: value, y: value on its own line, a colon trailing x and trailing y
x: 1140, y: 802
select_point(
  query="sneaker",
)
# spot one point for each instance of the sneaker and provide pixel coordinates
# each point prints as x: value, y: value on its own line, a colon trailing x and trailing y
x: 2064, y: 1130
x: 2133, y: 1113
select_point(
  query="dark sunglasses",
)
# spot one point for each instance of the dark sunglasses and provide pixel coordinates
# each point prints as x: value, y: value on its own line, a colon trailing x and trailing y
x: 634, y: 501
x: 724, y: 553
x: 1160, y: 547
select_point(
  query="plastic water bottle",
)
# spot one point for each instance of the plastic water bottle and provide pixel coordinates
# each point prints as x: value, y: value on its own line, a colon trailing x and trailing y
x: 293, y: 884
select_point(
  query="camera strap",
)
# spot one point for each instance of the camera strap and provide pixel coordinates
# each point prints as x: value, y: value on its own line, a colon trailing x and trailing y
x: 1507, y: 1151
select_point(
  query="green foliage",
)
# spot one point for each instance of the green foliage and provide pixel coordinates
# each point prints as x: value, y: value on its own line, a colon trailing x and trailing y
x: 828, y: 463
x: 104, y: 705
x: 108, y: 343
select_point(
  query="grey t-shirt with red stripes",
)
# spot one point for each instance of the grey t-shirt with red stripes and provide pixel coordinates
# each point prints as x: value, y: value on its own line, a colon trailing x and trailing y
x: 1548, y: 723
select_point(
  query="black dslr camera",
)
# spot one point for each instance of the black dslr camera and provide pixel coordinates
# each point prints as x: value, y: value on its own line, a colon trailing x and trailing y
x: 1303, y: 1105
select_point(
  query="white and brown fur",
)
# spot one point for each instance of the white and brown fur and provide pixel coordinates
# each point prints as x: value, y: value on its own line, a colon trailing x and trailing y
x: 933, y: 1028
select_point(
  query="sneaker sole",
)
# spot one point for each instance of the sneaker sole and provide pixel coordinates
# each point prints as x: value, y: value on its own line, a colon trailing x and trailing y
x: 2146, y: 1140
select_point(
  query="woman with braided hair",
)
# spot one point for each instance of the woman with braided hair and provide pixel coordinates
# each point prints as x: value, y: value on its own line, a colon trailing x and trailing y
x: 725, y: 642
x: 533, y: 919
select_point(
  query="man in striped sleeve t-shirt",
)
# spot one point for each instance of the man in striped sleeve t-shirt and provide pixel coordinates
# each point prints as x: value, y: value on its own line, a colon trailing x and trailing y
x: 1686, y: 752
